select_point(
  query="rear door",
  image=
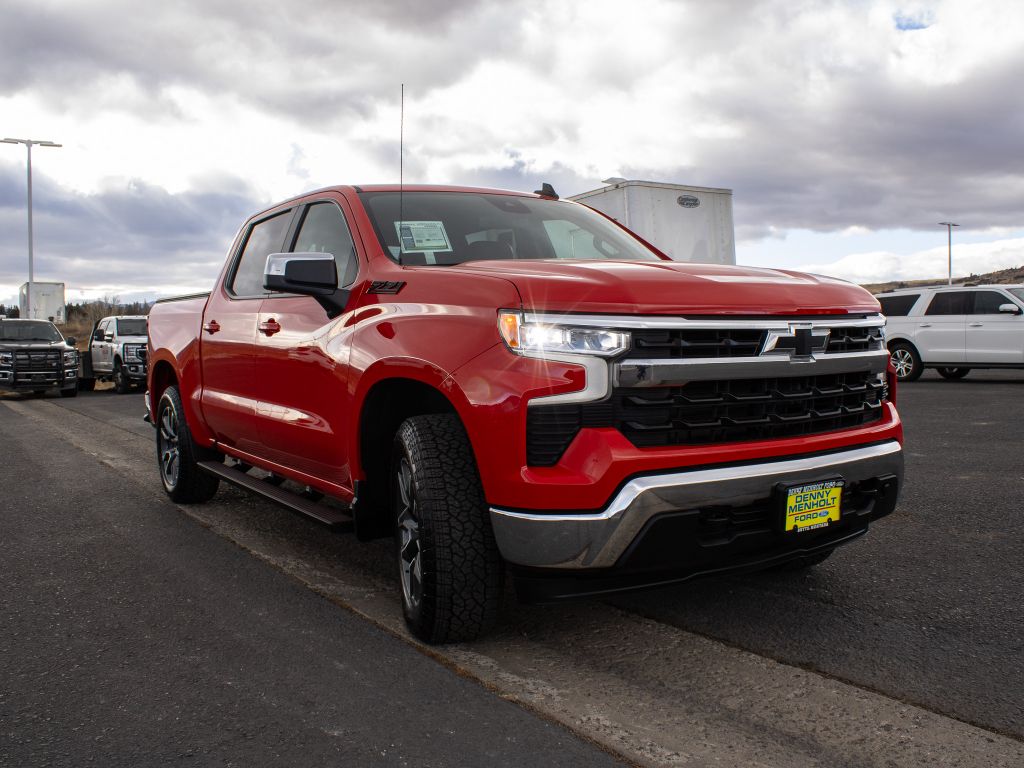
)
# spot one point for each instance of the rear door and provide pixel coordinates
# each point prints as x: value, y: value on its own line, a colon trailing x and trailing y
x: 940, y: 336
x: 228, y: 336
x: 994, y: 336
x: 302, y: 360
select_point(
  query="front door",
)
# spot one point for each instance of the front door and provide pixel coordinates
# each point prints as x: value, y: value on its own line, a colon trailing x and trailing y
x: 228, y: 336
x: 303, y: 355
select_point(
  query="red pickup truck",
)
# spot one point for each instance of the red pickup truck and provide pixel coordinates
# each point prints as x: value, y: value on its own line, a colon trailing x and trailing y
x: 513, y: 383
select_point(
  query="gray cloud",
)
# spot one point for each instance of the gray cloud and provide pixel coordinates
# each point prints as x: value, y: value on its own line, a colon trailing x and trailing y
x: 322, y: 61
x: 138, y: 234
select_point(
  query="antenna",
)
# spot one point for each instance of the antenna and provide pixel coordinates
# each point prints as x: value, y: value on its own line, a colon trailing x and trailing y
x: 401, y: 170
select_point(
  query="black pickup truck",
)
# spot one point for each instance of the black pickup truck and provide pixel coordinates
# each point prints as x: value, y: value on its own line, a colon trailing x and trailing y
x: 34, y: 357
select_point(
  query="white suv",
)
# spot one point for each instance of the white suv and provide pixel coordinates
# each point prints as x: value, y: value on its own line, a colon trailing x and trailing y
x: 954, y: 329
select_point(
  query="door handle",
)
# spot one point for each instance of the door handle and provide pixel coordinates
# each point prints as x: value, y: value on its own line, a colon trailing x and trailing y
x: 211, y: 327
x: 269, y: 327
x: 926, y: 325
x: 977, y: 325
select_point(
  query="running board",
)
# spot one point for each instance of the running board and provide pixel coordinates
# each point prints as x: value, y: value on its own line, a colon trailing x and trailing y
x: 332, y: 517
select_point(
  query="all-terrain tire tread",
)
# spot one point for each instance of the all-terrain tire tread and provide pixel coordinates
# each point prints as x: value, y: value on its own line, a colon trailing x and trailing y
x: 463, y: 573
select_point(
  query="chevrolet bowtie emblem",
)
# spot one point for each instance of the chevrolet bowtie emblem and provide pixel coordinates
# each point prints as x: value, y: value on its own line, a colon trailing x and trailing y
x: 800, y: 341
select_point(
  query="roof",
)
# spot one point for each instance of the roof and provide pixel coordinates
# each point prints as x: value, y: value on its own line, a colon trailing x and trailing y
x: 961, y: 287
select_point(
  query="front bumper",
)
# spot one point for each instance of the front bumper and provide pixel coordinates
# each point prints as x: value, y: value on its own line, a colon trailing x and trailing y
x: 136, y: 371
x: 27, y: 381
x: 700, y: 520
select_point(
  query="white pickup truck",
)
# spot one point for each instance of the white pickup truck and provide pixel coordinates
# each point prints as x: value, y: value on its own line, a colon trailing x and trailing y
x: 117, y: 352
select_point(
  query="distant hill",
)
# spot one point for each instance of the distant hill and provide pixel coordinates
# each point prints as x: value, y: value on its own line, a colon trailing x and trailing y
x: 1002, y: 276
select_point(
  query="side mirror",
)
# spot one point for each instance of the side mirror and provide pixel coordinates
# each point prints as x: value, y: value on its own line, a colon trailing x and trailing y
x: 70, y: 341
x: 307, y: 274
x: 1010, y: 309
x: 98, y: 336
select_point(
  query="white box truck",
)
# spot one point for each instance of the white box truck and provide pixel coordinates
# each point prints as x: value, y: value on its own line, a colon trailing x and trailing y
x: 687, y: 223
x: 47, y: 302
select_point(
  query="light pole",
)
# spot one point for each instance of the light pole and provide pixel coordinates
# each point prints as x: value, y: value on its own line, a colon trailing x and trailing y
x: 949, y: 234
x: 29, y: 143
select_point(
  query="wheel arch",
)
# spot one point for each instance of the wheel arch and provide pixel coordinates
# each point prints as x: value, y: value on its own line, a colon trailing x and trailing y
x: 388, y: 402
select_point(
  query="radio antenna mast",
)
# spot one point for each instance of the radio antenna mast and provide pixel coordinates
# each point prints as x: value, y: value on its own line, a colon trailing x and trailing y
x: 401, y: 170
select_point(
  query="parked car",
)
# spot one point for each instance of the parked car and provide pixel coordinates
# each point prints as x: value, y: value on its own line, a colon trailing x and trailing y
x: 117, y: 353
x: 954, y: 329
x: 515, y: 383
x: 35, y: 357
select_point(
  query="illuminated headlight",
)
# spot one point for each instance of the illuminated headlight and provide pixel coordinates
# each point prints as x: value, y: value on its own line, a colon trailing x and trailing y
x: 6, y: 358
x: 545, y: 339
x: 70, y: 357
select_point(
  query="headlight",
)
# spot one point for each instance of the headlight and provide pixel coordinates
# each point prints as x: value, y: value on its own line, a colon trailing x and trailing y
x: 70, y: 357
x: 547, y: 338
x: 6, y: 358
x: 131, y: 351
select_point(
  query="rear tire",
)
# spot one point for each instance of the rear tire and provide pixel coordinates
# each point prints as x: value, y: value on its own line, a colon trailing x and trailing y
x: 953, y: 373
x: 449, y: 565
x: 178, y: 456
x: 906, y: 361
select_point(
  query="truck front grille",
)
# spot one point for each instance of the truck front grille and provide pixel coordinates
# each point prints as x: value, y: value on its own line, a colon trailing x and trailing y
x: 41, y: 361
x: 706, y: 412
x: 713, y: 343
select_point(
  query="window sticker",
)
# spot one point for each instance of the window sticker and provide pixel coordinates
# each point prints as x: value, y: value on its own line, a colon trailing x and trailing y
x: 418, y: 236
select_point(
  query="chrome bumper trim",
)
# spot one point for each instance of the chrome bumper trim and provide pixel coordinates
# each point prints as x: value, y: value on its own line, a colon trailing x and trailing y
x: 598, y: 539
x: 659, y: 373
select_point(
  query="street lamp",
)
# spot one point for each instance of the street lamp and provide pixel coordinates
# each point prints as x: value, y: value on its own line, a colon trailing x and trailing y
x: 949, y: 233
x: 29, y: 143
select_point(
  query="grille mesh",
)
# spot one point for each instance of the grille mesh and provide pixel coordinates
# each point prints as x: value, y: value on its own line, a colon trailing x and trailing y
x: 707, y: 412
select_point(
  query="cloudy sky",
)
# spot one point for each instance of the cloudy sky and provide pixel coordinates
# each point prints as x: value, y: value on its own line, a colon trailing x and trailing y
x: 846, y: 130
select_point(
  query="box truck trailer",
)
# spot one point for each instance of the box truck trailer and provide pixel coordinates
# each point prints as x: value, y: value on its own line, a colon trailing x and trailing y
x: 687, y: 223
x: 47, y: 302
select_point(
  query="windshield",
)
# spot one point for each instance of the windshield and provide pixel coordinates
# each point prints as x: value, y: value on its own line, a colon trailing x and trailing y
x: 28, y: 330
x: 1018, y: 292
x: 445, y: 228
x: 133, y: 327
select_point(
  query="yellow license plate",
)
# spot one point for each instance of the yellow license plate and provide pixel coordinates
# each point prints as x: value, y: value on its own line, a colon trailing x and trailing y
x: 812, y: 506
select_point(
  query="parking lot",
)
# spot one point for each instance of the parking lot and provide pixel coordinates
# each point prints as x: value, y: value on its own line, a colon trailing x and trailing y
x: 905, y: 648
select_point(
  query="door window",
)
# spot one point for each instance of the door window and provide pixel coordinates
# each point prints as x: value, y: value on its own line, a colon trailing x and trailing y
x: 324, y: 230
x: 988, y: 302
x: 898, y: 306
x: 265, y: 237
x: 950, y: 303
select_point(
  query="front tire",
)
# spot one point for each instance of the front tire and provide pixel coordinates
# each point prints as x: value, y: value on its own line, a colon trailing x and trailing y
x: 70, y: 391
x: 906, y: 361
x: 121, y: 383
x: 86, y: 385
x: 178, y: 456
x: 449, y: 565
x: 953, y: 373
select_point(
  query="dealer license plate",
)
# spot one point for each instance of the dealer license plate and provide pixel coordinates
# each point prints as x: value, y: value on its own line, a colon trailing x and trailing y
x: 812, y: 506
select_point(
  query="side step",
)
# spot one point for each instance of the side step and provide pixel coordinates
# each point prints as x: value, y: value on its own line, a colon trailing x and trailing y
x: 266, y: 488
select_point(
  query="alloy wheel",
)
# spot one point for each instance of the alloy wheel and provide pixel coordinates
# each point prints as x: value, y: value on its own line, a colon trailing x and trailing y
x: 410, y: 556
x: 167, y: 437
x: 903, y: 362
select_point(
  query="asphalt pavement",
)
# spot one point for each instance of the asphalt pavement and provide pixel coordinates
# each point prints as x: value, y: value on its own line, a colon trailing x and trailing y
x: 132, y: 636
x: 905, y: 648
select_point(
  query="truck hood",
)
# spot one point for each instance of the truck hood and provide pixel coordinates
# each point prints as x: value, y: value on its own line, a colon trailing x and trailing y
x: 7, y: 346
x: 666, y: 287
